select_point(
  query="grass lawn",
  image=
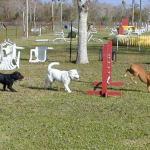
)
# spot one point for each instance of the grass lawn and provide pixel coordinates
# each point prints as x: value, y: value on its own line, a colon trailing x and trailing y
x: 37, y: 119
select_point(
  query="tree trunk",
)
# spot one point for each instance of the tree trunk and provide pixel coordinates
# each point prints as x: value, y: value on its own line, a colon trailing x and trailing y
x: 82, y: 57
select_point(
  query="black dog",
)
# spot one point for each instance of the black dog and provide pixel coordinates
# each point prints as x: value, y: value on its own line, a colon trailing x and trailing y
x: 9, y: 79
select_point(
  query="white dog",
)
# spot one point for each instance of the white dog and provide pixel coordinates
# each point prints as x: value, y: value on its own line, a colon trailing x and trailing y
x: 63, y: 76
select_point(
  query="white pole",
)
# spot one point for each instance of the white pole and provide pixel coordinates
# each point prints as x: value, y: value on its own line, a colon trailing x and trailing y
x: 27, y: 19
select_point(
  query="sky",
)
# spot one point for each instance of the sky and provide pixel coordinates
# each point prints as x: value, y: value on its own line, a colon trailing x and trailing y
x: 116, y: 2
x: 128, y: 2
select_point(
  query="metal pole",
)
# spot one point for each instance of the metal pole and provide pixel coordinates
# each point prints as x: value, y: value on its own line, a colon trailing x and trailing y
x: 5, y: 31
x: 16, y: 31
x: 61, y: 12
x: 27, y: 19
x: 23, y: 22
x: 71, y: 42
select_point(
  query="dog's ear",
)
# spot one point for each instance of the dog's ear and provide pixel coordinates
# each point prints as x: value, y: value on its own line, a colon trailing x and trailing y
x: 74, y: 70
x: 70, y: 71
x: 78, y: 71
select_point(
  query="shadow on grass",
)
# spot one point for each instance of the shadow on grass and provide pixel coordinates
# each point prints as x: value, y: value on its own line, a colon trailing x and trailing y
x: 121, y: 89
x: 55, y: 89
x: 52, y: 89
x: 130, y: 90
x: 24, y: 59
x: 106, y: 38
x: 84, y: 81
x: 146, y: 63
x: 39, y: 88
x: 71, y: 61
x: 79, y: 91
x: 6, y: 90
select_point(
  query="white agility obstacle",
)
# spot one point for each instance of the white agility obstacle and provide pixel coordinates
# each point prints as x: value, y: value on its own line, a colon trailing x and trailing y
x: 39, y: 54
x: 9, y: 56
x: 60, y: 36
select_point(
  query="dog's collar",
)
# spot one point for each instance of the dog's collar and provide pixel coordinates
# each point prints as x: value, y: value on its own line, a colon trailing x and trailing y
x: 69, y: 76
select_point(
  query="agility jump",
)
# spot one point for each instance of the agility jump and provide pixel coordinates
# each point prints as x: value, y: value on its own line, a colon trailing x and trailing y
x: 106, y: 75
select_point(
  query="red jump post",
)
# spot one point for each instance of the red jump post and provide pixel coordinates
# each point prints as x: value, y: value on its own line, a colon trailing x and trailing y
x: 106, y: 75
x: 124, y: 22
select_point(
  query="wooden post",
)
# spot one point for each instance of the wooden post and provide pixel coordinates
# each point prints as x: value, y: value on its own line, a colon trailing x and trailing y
x: 106, y: 75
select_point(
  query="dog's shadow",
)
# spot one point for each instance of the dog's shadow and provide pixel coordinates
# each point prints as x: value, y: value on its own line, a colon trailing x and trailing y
x: 120, y: 89
x: 88, y: 82
x: 79, y: 91
x: 39, y: 88
x: 132, y: 90
x: 50, y: 89
x: 5, y: 90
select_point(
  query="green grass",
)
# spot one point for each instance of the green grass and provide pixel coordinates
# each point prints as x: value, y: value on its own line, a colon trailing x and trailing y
x: 37, y: 119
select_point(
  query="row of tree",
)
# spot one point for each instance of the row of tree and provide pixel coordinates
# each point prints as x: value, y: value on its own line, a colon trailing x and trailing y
x: 42, y: 12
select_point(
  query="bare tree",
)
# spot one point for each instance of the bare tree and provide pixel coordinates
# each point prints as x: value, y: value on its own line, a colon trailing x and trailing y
x: 133, y: 3
x: 124, y: 8
x: 83, y: 6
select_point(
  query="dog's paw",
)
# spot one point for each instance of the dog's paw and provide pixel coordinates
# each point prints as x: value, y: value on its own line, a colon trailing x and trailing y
x: 135, y: 82
x: 125, y: 75
x: 69, y: 91
x: 148, y: 88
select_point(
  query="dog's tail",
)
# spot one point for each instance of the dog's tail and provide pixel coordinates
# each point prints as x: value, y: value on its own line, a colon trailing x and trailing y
x: 52, y: 64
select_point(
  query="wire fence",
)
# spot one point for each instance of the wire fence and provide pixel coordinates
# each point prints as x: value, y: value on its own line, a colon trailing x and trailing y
x: 14, y: 31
